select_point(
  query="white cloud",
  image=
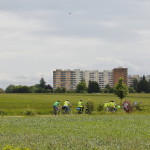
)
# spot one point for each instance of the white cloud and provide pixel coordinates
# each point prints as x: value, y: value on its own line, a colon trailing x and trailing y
x: 38, y: 37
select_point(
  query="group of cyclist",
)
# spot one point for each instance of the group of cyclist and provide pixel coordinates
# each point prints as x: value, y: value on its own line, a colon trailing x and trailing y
x: 127, y: 106
x: 109, y: 106
x: 66, y: 107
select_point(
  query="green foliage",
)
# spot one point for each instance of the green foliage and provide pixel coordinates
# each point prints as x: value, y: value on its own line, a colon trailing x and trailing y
x: 29, y: 112
x: 143, y: 86
x: 60, y: 90
x: 100, y: 107
x: 81, y: 87
x: 93, y: 87
x: 9, y: 147
x: 1, y: 90
x: 17, y: 89
x: 108, y: 89
x: 38, y: 88
x: 2, y: 113
x: 42, y: 83
x: 10, y: 89
x: 131, y: 90
x: 120, y: 89
x: 135, y: 84
x: 90, y: 105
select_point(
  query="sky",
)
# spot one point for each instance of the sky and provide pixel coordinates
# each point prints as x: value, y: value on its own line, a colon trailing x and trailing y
x: 40, y: 36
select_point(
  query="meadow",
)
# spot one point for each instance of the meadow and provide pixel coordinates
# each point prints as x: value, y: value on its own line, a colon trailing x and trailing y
x: 99, y: 131
x: 17, y: 104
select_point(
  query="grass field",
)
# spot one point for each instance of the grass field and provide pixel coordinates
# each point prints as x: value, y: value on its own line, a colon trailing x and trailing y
x: 17, y: 104
x: 100, y: 131
x: 78, y: 132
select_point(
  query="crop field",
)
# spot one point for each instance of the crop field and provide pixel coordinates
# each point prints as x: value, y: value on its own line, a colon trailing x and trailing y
x: 82, y: 132
x: 17, y: 104
x: 99, y: 131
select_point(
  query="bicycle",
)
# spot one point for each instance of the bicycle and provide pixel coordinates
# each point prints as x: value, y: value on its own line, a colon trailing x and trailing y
x: 56, y: 111
x: 79, y: 110
x: 64, y: 110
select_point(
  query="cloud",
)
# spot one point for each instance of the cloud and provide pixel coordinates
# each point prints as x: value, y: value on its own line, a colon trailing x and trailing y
x: 38, y: 37
x: 110, y: 62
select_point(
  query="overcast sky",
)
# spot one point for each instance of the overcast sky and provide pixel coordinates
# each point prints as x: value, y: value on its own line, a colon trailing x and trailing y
x: 39, y: 36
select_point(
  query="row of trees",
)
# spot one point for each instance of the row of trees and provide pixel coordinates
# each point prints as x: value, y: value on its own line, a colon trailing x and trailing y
x: 42, y: 87
x: 142, y: 86
x: 93, y: 87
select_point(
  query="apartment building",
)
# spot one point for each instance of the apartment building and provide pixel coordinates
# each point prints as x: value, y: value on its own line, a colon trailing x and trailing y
x: 70, y: 79
x: 91, y: 75
x: 120, y: 73
x: 63, y: 79
x: 105, y: 77
x: 132, y: 78
x: 77, y: 77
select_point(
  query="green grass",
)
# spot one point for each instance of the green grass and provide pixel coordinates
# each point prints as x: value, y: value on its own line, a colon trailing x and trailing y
x: 100, y: 131
x: 83, y: 132
x: 17, y: 104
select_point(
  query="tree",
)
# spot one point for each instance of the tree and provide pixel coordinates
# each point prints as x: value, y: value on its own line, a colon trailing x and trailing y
x: 120, y: 89
x: 149, y: 86
x: 1, y: 90
x: 42, y: 83
x: 10, y: 89
x: 143, y: 86
x: 49, y: 89
x: 131, y: 90
x: 108, y: 89
x: 135, y: 84
x: 81, y: 87
x: 60, y: 90
x: 93, y: 87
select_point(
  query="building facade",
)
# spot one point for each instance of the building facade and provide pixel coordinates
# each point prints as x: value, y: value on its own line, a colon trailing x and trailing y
x: 63, y: 79
x: 70, y: 79
x: 120, y: 73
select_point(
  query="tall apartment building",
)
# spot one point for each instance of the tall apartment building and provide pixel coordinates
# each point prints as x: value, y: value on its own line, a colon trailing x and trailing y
x: 70, y: 79
x: 91, y: 75
x: 105, y: 77
x: 120, y: 72
x: 63, y: 79
x: 77, y: 77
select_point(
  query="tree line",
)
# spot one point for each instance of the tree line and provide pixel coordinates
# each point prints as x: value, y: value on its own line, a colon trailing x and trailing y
x: 42, y: 87
x: 142, y: 86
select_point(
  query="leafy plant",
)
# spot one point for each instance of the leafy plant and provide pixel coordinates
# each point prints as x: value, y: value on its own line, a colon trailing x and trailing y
x: 29, y: 112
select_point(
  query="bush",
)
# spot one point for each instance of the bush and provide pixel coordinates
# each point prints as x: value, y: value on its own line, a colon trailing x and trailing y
x: 1, y: 113
x: 100, y: 107
x: 29, y: 112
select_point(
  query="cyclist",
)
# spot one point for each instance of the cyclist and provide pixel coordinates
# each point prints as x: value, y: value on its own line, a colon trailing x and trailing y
x: 112, y: 106
x: 80, y: 107
x: 66, y: 106
x: 127, y: 106
x: 56, y: 106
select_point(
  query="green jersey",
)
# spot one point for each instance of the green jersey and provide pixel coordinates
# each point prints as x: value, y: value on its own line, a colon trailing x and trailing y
x: 56, y: 104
